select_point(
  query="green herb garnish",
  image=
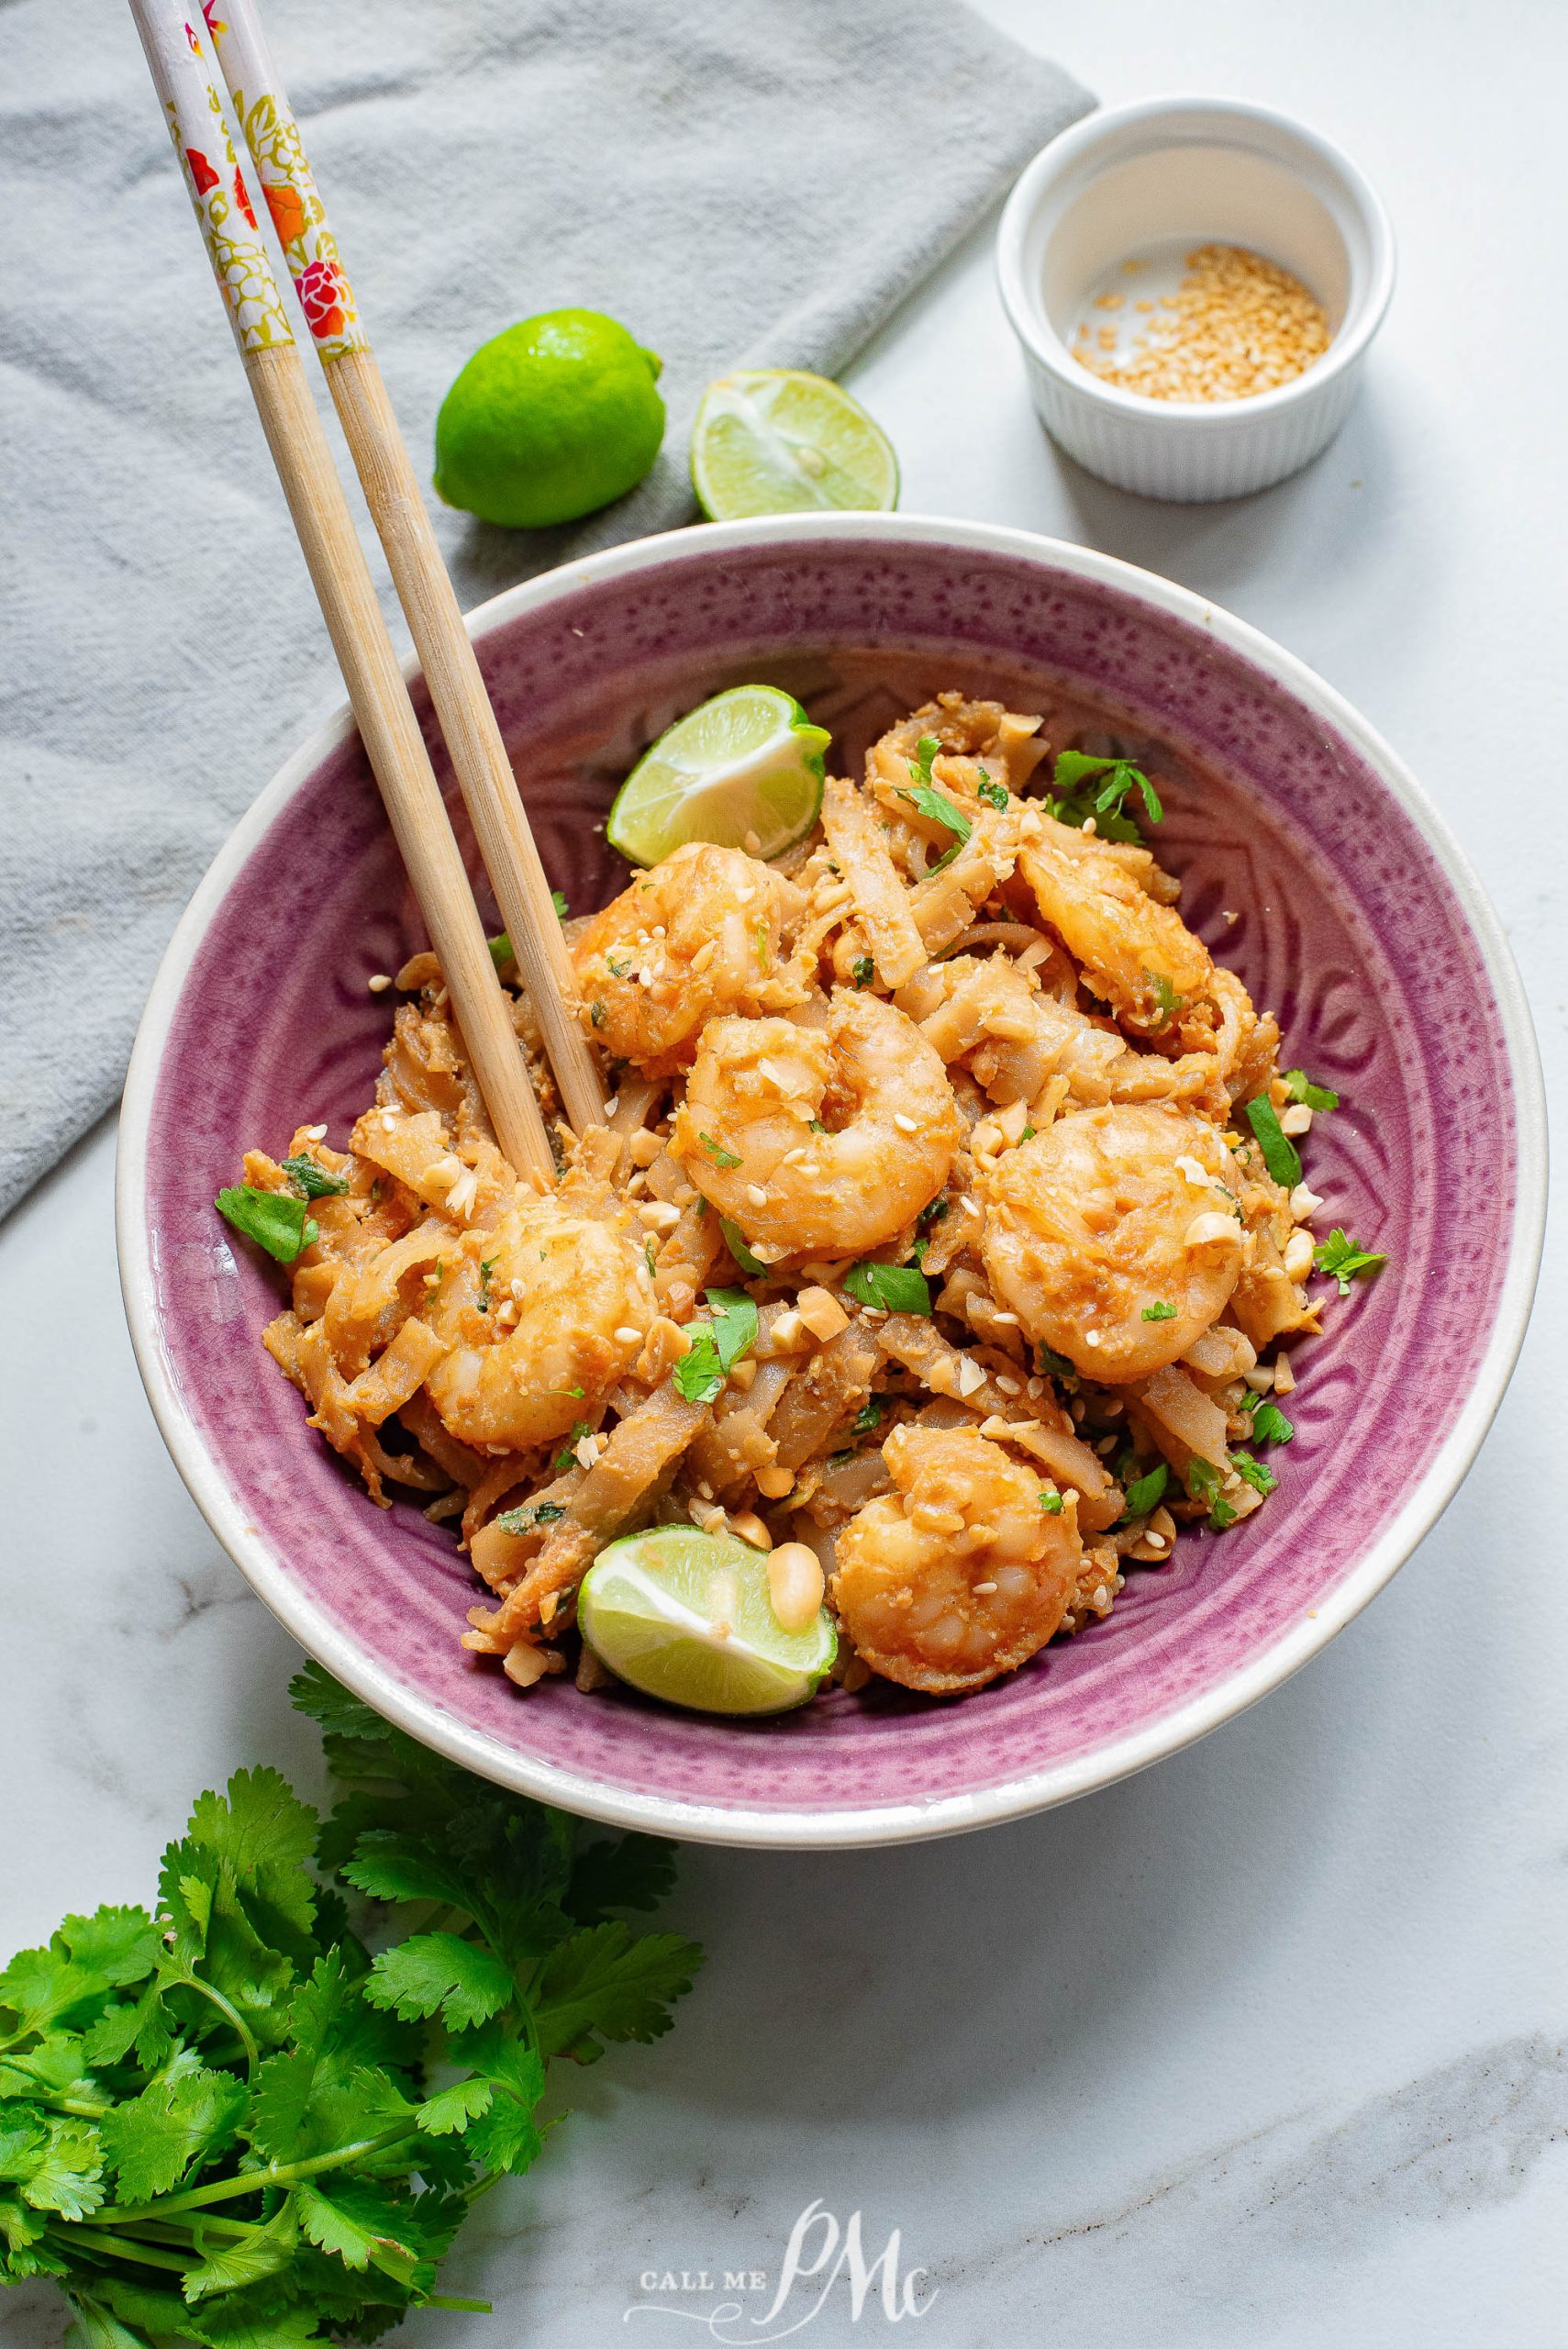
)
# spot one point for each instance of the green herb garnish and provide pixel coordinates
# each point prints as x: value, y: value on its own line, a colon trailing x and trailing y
x: 994, y: 794
x: 1315, y: 1096
x: 862, y: 970
x: 651, y: 1258
x: 1202, y: 1485
x: 1050, y: 1501
x: 895, y: 1288
x: 222, y: 2121
x: 869, y: 1416
x: 1145, y: 1491
x: 1073, y: 801
x: 500, y: 949
x: 558, y: 900
x: 735, y: 1240
x: 716, y: 1151
x: 1252, y: 1472
x: 616, y: 970
x: 699, y: 1374
x: 1159, y: 1311
x: 734, y: 1324
x: 597, y: 1015
x: 313, y: 1180
x: 567, y: 1455
x: 925, y: 750
x: 1344, y: 1261
x: 1269, y: 1423
x: 487, y: 1270
x: 1166, y: 1000
x: 1280, y: 1154
x: 275, y: 1220
x: 941, y: 809
x: 534, y: 1514
x: 1056, y: 1364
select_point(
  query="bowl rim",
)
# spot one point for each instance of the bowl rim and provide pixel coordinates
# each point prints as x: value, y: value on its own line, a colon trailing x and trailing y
x: 916, y: 1820
x: 1031, y: 323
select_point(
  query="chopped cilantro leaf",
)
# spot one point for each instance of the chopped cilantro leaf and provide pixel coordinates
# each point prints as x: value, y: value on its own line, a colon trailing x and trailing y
x: 558, y: 900
x: 1056, y: 1364
x: 1089, y: 786
x: 535, y: 1513
x: 569, y: 1394
x: 734, y: 1324
x: 940, y: 810
x: 317, y: 1182
x: 486, y: 1271
x: 817, y: 1126
x: 1344, y: 1261
x: 1159, y: 1311
x: 1167, y: 1001
x: 1251, y: 1471
x: 934, y: 1209
x: 567, y: 1455
x: 500, y: 949
x: 1050, y: 1501
x: 275, y: 1220
x: 716, y: 1151
x: 1269, y: 1423
x: 651, y: 1258
x: 597, y: 1015
x: 1145, y: 1491
x: 1315, y: 1096
x: 699, y: 1374
x: 925, y: 750
x: 868, y: 1417
x: 895, y: 1289
x: 616, y: 970
x: 1202, y: 1485
x: 1280, y: 1155
x: 994, y: 794
x: 862, y: 970
x: 735, y: 1240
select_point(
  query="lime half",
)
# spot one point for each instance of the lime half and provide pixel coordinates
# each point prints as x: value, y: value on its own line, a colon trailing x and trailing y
x: 685, y: 1616
x: 744, y: 771
x: 773, y: 440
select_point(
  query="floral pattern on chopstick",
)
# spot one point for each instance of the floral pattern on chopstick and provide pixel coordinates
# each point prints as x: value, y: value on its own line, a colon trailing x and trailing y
x: 224, y: 209
x: 298, y: 214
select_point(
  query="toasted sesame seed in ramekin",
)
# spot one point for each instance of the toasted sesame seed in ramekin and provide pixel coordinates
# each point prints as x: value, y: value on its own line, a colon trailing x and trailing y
x: 1194, y: 284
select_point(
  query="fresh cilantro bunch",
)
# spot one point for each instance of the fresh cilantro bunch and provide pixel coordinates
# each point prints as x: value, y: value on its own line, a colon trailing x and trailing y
x: 230, y: 2122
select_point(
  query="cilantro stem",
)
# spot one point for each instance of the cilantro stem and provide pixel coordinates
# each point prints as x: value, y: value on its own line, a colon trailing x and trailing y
x: 45, y: 2095
x: 447, y: 2300
x: 83, y: 2238
x: 253, y: 2181
x: 252, y: 2053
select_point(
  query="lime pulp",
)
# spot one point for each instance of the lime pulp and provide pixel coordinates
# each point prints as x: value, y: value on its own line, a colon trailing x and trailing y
x: 685, y: 1616
x: 776, y: 441
x: 743, y: 771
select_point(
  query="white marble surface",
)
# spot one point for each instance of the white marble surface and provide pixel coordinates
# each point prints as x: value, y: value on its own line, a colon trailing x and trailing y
x: 1262, y: 2047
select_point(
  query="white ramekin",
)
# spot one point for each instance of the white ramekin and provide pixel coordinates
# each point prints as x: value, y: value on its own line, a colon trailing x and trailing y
x: 1217, y: 170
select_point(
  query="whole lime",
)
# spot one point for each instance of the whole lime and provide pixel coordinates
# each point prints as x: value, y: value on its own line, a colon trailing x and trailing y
x: 550, y: 420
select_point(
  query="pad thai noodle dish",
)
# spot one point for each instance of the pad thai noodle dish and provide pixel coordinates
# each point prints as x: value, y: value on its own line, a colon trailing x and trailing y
x: 929, y: 1274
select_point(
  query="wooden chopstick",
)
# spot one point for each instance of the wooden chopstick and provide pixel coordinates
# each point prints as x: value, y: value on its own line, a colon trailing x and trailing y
x: 377, y: 692
x: 424, y: 590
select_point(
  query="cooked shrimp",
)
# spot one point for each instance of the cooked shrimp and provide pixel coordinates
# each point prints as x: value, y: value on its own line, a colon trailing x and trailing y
x: 961, y: 1572
x: 697, y: 936
x: 1115, y: 1236
x: 1138, y: 954
x: 1016, y: 1039
x: 542, y: 1314
x: 746, y: 1133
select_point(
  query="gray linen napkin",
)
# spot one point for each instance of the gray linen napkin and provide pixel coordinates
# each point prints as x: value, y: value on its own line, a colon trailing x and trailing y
x: 743, y: 182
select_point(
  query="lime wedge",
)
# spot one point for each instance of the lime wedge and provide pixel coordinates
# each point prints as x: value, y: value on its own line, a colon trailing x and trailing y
x: 744, y: 771
x: 685, y: 1616
x: 773, y: 440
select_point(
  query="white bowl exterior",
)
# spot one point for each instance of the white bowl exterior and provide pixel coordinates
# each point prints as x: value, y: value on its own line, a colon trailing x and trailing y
x: 1212, y: 169
x: 920, y: 1818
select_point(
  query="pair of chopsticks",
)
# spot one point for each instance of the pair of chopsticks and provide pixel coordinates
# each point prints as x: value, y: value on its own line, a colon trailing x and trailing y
x: 377, y: 692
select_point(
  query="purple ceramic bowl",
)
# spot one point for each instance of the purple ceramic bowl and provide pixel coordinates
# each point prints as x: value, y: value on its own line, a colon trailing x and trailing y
x: 1311, y: 862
